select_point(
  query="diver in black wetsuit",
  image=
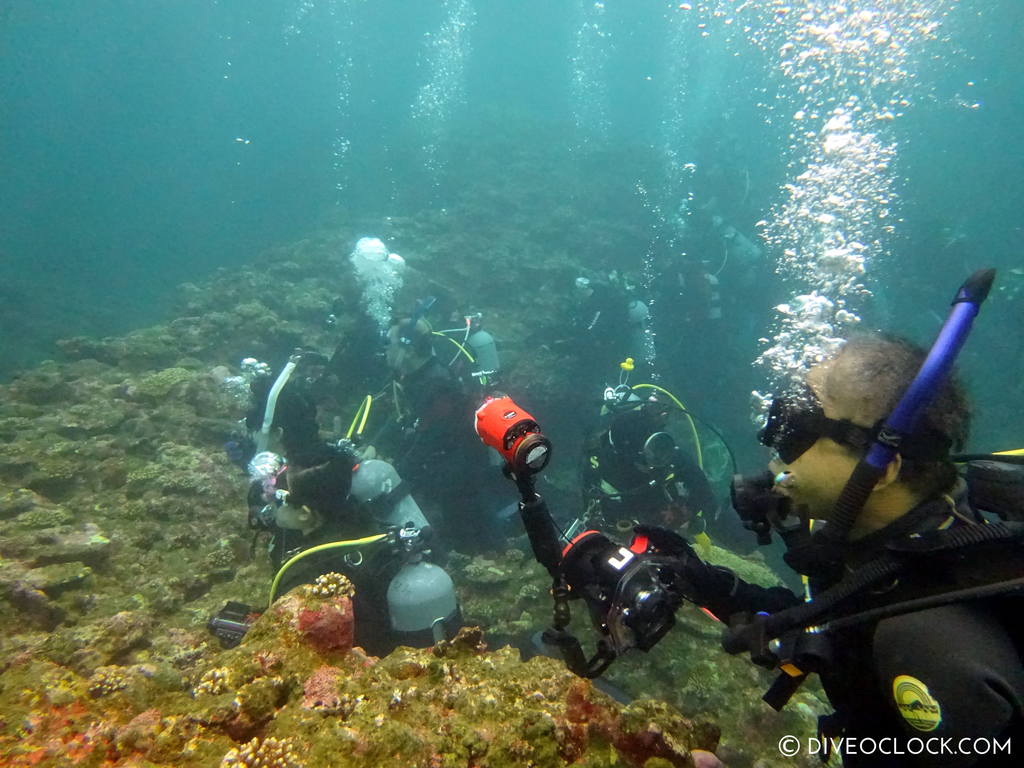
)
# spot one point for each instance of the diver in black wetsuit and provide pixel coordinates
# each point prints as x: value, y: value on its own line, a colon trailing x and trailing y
x: 608, y: 324
x: 444, y: 464
x: 945, y: 673
x: 634, y: 472
x: 326, y: 505
x: 300, y: 487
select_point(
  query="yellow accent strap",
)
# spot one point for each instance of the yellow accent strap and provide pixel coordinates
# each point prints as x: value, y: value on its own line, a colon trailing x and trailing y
x: 320, y: 548
x: 363, y: 409
x: 693, y: 427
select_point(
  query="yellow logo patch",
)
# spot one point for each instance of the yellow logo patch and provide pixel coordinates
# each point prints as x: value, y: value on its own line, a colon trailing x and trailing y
x: 917, y: 706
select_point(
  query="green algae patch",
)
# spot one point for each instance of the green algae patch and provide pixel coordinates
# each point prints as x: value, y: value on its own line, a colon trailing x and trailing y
x: 157, y: 386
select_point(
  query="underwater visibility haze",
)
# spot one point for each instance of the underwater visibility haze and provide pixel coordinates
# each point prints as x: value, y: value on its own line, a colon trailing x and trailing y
x: 268, y: 271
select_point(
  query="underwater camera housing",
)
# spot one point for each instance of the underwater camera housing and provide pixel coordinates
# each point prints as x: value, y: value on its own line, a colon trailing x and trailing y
x: 231, y: 622
x: 632, y: 593
x: 761, y: 510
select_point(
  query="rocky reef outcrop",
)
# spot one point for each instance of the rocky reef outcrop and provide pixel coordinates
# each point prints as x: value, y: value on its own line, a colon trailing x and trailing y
x: 296, y: 694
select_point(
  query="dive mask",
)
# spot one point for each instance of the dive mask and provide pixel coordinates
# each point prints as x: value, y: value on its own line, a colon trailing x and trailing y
x: 794, y: 424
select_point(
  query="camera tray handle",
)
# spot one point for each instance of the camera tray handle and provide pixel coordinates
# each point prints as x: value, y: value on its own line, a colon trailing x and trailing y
x: 544, y: 540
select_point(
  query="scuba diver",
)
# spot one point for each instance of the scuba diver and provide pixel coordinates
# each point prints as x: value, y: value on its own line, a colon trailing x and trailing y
x: 448, y: 469
x: 609, y: 322
x: 694, y: 329
x: 375, y: 279
x: 634, y: 471
x: 332, y: 507
x: 913, y: 585
x: 893, y: 676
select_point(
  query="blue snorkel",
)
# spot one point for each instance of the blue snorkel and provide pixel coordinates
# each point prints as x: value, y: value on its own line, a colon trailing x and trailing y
x: 821, y: 555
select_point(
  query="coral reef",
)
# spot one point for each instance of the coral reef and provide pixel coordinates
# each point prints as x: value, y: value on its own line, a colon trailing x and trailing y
x: 332, y: 585
x: 285, y: 698
x: 508, y: 594
x: 106, y: 680
x: 263, y: 753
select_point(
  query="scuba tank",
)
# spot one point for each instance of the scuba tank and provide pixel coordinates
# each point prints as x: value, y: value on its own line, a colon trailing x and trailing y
x: 376, y: 484
x: 637, y: 315
x: 422, y: 605
x: 485, y: 351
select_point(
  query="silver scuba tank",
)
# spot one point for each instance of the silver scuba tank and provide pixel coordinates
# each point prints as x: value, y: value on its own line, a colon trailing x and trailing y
x: 637, y: 316
x: 373, y: 480
x: 485, y: 351
x: 421, y: 598
x: 422, y: 605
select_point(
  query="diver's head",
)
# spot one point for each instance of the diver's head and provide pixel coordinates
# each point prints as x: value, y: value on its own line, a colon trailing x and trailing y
x: 821, y: 433
x: 410, y: 345
x: 620, y: 399
x: 649, y: 413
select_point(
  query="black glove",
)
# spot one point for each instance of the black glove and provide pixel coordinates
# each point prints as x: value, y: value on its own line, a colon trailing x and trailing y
x: 724, y: 593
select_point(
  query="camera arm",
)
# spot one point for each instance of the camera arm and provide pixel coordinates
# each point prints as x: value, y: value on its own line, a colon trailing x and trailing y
x: 544, y: 539
x: 540, y: 527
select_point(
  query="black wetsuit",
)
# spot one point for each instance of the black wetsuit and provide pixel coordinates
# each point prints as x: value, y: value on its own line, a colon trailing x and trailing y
x: 446, y: 464
x: 615, y: 478
x: 965, y: 657
x: 602, y: 333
